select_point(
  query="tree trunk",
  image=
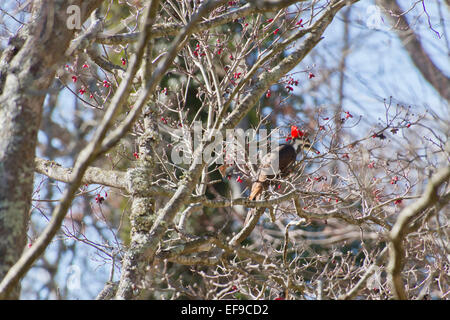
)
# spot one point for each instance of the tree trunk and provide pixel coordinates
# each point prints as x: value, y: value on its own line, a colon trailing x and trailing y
x: 27, y: 69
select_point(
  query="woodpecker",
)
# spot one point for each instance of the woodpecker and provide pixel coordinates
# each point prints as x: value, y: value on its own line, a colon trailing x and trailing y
x: 285, y: 154
x: 226, y: 170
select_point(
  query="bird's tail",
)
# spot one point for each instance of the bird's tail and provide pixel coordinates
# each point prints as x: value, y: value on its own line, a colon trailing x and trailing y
x: 257, y: 189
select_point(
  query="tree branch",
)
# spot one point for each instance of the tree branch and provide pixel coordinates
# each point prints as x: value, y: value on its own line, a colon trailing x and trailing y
x: 85, y: 158
x: 360, y: 284
x: 416, y: 51
x: 92, y: 175
x: 401, y: 229
x: 27, y: 70
x: 171, y: 30
x: 267, y: 78
x: 149, y: 242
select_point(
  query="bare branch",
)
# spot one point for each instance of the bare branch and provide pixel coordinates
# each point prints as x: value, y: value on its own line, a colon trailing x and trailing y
x: 87, y: 155
x: 416, y: 51
x: 33, y: 55
x: 362, y: 281
x: 93, y: 175
x: 401, y: 229
x: 266, y: 79
x: 172, y: 29
x: 87, y: 38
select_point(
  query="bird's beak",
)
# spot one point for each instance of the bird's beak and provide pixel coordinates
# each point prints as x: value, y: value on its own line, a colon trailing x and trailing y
x: 309, y: 147
x: 315, y: 150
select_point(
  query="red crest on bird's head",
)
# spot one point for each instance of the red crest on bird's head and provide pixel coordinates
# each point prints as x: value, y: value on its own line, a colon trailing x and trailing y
x: 296, y: 133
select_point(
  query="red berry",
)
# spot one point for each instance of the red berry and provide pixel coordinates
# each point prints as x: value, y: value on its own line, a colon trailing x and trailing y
x: 394, y: 180
x: 99, y: 199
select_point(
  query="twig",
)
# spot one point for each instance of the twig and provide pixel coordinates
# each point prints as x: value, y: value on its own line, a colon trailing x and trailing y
x: 401, y: 229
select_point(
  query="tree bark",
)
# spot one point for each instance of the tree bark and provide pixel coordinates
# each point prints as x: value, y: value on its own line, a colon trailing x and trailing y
x: 27, y: 70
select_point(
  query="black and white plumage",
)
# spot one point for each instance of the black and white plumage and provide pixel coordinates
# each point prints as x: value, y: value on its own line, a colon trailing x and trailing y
x: 285, y: 155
